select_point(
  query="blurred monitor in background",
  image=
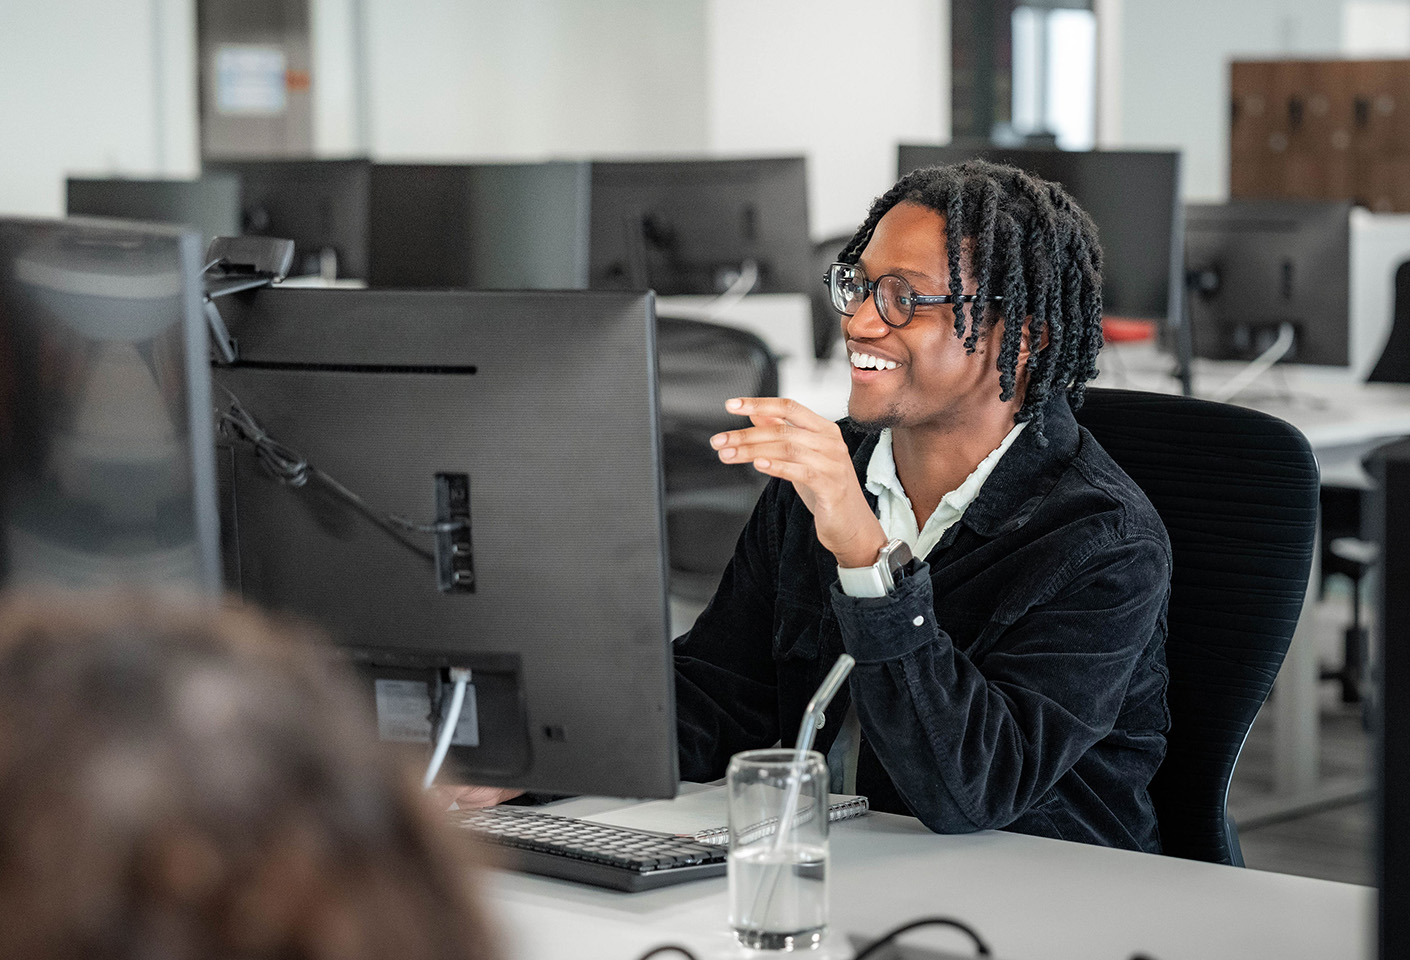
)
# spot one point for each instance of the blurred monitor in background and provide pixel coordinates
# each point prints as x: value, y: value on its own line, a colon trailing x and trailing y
x: 187, y: 782
x: 321, y: 205
x: 110, y: 462
x: 695, y: 226
x: 1262, y: 266
x: 482, y: 226
x: 1133, y: 196
x: 210, y: 204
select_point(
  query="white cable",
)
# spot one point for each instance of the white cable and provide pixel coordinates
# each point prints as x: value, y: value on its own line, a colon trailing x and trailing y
x: 1257, y: 366
x: 449, y: 722
x: 726, y: 301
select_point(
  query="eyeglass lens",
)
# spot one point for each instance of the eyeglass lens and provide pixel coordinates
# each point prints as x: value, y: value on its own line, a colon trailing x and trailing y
x: 894, y: 298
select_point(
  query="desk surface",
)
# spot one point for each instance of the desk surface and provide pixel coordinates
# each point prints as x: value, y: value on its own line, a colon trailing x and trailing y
x: 1031, y: 898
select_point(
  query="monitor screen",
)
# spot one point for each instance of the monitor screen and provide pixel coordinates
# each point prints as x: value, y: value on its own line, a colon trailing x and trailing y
x: 321, y: 205
x: 527, y: 422
x: 210, y: 204
x: 691, y: 226
x: 1133, y: 196
x: 1263, y: 264
x: 510, y: 226
x: 105, y: 406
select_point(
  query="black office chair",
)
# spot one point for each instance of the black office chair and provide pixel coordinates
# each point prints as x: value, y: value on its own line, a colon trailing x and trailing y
x: 1237, y: 491
x: 701, y: 365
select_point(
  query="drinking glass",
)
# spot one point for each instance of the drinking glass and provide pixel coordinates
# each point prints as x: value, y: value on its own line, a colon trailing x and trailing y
x: 778, y: 848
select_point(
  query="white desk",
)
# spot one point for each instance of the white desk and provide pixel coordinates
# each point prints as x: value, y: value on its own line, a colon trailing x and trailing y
x: 1342, y: 420
x: 1030, y: 898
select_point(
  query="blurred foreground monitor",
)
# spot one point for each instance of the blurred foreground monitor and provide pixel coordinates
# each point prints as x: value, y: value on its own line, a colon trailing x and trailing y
x: 106, y: 464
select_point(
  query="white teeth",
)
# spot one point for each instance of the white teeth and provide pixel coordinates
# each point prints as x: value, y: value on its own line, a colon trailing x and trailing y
x: 865, y: 361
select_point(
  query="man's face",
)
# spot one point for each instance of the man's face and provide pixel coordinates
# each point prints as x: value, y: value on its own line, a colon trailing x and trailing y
x: 935, y: 382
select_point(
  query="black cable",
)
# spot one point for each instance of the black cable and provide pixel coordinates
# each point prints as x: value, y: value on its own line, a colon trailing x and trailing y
x: 292, y: 469
x: 666, y: 948
x: 981, y: 948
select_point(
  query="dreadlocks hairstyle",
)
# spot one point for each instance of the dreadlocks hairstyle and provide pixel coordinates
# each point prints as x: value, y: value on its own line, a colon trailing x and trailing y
x: 1027, y: 241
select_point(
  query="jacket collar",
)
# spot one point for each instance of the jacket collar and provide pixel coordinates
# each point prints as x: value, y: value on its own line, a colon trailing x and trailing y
x: 1020, y: 482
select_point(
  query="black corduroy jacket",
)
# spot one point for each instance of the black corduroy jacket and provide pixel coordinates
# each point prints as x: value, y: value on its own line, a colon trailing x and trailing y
x: 1015, y: 680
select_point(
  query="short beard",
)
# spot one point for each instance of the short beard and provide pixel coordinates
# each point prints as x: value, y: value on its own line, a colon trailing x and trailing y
x: 891, y: 418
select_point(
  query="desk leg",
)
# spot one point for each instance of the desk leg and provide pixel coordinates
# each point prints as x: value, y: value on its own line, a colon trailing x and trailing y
x: 1297, y: 785
x: 1296, y: 709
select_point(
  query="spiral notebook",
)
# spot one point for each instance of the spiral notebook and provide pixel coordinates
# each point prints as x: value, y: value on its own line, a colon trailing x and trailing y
x: 699, y: 812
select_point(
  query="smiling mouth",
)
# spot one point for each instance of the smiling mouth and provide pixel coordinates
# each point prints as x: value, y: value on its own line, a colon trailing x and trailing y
x: 865, y: 361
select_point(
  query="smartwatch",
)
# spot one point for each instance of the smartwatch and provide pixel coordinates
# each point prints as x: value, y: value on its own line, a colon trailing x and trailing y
x: 879, y: 579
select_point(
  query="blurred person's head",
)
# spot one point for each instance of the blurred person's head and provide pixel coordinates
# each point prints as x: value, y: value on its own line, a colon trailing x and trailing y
x: 180, y: 781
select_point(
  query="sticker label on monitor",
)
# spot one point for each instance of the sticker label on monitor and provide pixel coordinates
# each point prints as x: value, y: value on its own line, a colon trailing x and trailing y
x: 403, y: 714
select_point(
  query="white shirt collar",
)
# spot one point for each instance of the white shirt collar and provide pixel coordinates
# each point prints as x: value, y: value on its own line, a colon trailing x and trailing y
x: 893, y: 507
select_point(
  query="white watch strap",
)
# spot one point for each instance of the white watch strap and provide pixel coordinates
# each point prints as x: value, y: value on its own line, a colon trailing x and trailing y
x: 861, y: 581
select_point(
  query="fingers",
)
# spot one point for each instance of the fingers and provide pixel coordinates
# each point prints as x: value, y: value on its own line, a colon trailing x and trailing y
x: 781, y: 407
x: 775, y: 440
x: 782, y: 428
x: 472, y: 797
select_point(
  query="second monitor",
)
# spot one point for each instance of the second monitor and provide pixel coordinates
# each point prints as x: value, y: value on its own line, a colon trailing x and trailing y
x: 692, y: 227
x: 1133, y: 196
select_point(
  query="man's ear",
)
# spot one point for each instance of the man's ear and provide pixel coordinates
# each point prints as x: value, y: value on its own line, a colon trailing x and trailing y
x: 1025, y: 341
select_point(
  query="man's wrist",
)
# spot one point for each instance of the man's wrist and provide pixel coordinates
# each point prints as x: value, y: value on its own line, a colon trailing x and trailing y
x: 863, y: 554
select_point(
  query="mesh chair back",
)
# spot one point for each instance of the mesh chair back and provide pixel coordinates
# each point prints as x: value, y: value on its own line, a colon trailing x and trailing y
x: 701, y: 365
x: 1237, y: 491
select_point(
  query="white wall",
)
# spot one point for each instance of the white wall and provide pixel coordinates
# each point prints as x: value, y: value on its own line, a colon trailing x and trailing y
x: 1173, y: 74
x: 811, y: 77
x: 110, y: 87
x: 95, y: 88
x: 535, y: 78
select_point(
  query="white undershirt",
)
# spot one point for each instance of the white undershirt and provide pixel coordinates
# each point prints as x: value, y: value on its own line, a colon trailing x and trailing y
x: 898, y: 521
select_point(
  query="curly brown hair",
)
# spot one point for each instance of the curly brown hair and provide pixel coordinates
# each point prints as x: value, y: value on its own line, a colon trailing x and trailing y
x: 184, y: 781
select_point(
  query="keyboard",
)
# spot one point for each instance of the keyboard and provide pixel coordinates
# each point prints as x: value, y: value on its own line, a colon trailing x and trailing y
x: 601, y: 854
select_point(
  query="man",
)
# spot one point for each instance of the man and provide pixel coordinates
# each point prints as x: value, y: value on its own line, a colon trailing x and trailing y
x: 1010, y: 675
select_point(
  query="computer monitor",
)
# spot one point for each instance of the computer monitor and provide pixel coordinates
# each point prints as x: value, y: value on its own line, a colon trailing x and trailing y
x: 532, y: 416
x: 1390, y: 514
x: 689, y: 226
x: 104, y: 407
x: 1263, y: 264
x: 210, y: 204
x: 321, y: 205
x: 1133, y: 196
x: 485, y: 226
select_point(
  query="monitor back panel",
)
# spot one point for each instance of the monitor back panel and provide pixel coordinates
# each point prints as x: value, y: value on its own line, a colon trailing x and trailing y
x: 1133, y: 196
x: 686, y: 227
x: 210, y: 204
x: 546, y: 404
x: 321, y: 205
x: 511, y: 226
x: 1274, y: 262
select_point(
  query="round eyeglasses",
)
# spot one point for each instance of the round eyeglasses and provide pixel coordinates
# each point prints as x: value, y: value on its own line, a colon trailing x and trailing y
x: 895, y: 300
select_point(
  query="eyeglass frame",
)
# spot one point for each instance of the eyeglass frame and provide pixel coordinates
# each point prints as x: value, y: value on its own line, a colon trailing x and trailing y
x: 917, y: 299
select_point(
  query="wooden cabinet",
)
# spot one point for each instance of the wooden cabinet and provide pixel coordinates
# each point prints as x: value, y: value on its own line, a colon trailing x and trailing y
x: 1321, y: 129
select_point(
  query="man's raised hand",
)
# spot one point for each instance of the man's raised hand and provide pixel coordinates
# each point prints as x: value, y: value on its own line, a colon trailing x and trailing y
x: 791, y: 442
